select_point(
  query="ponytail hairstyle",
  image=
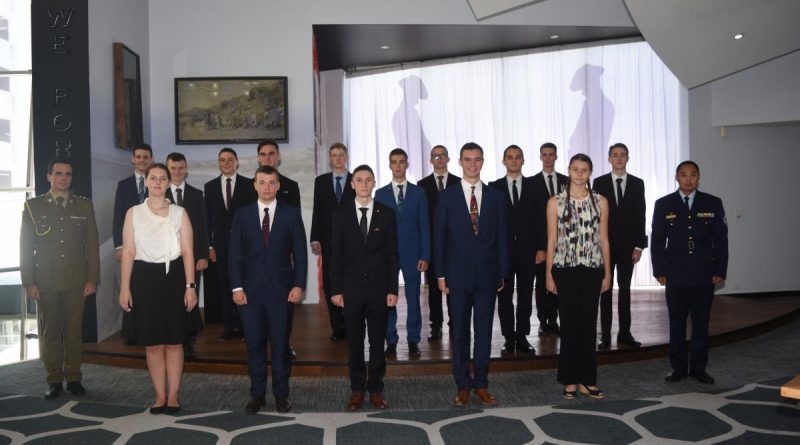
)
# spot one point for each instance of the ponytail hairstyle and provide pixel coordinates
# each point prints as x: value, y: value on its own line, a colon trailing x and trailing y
x: 568, y: 206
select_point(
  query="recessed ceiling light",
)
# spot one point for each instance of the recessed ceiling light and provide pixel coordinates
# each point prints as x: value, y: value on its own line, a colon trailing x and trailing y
x: 738, y: 36
x: 386, y: 47
x: 554, y: 36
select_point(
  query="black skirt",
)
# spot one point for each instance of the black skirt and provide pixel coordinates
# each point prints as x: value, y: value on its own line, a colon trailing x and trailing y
x: 158, y: 315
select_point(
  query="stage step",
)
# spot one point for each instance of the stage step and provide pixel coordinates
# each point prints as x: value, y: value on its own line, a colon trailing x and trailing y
x: 791, y: 390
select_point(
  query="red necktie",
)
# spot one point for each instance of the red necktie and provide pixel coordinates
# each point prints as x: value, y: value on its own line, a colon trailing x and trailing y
x: 473, y: 211
x: 228, y: 193
x: 265, y: 226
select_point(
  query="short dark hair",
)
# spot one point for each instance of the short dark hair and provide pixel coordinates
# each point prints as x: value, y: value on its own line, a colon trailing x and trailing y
x: 678, y: 168
x: 142, y: 146
x: 337, y: 145
x: 176, y: 157
x: 267, y: 170
x: 512, y: 147
x: 228, y: 150
x: 440, y: 146
x: 398, y: 152
x: 158, y: 165
x: 363, y: 167
x: 55, y: 161
x: 469, y: 146
x: 268, y: 142
x: 618, y: 145
x: 548, y: 145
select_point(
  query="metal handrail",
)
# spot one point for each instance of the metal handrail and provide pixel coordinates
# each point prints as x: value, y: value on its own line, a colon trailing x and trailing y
x: 23, y: 307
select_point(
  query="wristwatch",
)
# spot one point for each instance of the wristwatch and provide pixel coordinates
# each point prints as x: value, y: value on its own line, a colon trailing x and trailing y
x: 191, y: 285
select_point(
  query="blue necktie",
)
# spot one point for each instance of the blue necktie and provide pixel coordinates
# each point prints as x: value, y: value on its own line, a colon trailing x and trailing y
x: 141, y: 189
x: 339, y: 189
x: 401, y: 199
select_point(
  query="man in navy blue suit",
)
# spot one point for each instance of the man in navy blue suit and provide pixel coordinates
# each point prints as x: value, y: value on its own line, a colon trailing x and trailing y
x: 414, y: 239
x: 471, y: 255
x: 130, y: 192
x: 268, y: 264
x: 689, y: 250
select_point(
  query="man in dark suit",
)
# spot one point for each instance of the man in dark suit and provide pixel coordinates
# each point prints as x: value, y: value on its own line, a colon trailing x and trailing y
x: 627, y: 239
x: 330, y: 191
x: 434, y: 184
x: 268, y: 264
x: 225, y: 195
x: 546, y: 183
x: 689, y: 251
x: 526, y: 246
x: 471, y: 264
x: 364, y: 282
x: 270, y: 154
x: 130, y: 192
x: 192, y: 200
x: 414, y: 241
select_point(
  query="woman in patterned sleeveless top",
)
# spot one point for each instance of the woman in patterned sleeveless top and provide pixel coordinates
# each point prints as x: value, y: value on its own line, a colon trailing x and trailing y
x: 577, y: 272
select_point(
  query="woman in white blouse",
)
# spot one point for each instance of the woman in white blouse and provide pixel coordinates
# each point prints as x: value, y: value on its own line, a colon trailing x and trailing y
x: 157, y: 289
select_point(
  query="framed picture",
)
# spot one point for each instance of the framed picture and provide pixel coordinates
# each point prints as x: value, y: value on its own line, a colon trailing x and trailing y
x: 127, y: 97
x: 230, y: 109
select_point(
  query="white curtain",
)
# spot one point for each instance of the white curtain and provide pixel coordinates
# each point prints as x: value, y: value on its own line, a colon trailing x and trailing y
x: 581, y: 99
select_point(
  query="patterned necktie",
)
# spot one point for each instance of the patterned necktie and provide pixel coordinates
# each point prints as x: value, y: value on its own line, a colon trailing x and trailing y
x: 686, y: 201
x: 473, y: 211
x: 441, y: 184
x: 514, y: 193
x: 179, y: 199
x: 550, y: 183
x: 141, y: 189
x: 619, y: 192
x: 401, y: 199
x: 338, y: 189
x: 228, y: 193
x: 363, y: 223
x: 265, y: 226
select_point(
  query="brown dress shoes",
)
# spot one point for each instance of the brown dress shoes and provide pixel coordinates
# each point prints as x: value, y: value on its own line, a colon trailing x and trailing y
x: 461, y: 398
x: 356, y: 399
x: 485, y: 397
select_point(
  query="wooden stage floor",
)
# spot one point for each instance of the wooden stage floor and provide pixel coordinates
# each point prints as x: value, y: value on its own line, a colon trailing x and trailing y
x: 732, y: 319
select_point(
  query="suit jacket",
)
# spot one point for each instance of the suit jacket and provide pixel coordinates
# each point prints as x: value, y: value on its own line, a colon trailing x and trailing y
x: 524, y: 231
x: 625, y: 223
x: 413, y: 229
x: 542, y: 191
x: 126, y: 197
x: 267, y: 273
x: 357, y: 268
x: 219, y: 218
x: 465, y: 260
x: 431, y: 187
x: 689, y: 247
x: 195, y: 206
x: 289, y: 192
x: 325, y: 205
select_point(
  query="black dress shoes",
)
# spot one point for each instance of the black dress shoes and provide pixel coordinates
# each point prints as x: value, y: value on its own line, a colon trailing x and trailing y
x: 675, y: 376
x: 336, y: 336
x: 413, y: 349
x: 553, y: 328
x: 702, y: 377
x: 628, y: 342
x: 255, y: 404
x: 76, y: 389
x: 53, y: 391
x: 525, y: 347
x: 292, y: 353
x: 436, y: 333
x: 282, y: 405
x: 391, y: 350
x: 604, y: 345
x: 509, y: 346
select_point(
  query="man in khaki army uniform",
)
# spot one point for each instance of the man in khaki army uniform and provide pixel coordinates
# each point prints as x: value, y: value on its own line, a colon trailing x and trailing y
x: 60, y: 266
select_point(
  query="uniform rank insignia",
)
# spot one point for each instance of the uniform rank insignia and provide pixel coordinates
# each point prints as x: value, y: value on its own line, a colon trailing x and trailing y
x: 671, y: 216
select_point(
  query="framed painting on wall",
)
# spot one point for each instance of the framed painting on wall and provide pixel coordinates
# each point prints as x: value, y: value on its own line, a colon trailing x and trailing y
x: 230, y: 109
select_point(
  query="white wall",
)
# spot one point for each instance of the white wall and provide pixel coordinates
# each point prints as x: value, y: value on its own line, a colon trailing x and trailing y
x: 112, y: 21
x: 754, y: 170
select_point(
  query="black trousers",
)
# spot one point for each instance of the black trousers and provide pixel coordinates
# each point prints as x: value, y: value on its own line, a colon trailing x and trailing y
x: 683, y: 301
x: 578, y: 295
x: 624, y: 266
x: 335, y: 315
x: 435, y: 312
x: 546, y: 303
x: 524, y: 274
x: 366, y: 312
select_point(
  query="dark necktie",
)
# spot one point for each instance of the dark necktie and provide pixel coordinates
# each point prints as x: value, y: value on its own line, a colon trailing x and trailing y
x: 265, y: 226
x: 514, y: 193
x: 686, y: 201
x: 141, y: 189
x: 473, y: 211
x: 363, y: 223
x: 60, y: 202
x: 228, y: 193
x: 401, y: 198
x: 338, y: 189
x: 179, y: 199
x: 550, y: 183
x: 619, y: 192
x: 441, y: 184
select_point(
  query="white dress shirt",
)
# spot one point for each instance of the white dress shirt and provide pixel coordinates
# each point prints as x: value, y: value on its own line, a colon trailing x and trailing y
x: 224, y: 181
x: 370, y: 207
